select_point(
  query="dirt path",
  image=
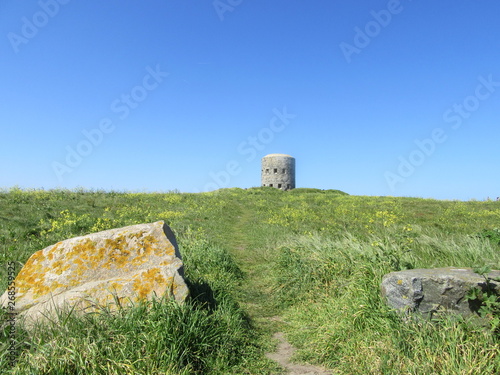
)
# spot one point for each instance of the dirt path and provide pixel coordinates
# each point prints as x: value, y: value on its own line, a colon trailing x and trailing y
x: 285, y: 352
x: 255, y: 294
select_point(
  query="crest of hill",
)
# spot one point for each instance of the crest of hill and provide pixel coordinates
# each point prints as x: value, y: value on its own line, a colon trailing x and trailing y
x: 313, y: 190
x: 272, y: 190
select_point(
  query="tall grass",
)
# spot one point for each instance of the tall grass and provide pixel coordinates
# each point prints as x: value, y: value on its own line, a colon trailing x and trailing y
x: 330, y: 291
x: 316, y: 258
x: 209, y: 334
x: 157, y: 337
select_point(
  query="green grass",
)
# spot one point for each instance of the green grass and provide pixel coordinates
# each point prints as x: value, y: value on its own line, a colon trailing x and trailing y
x: 159, y: 337
x: 331, y: 293
x: 314, y: 258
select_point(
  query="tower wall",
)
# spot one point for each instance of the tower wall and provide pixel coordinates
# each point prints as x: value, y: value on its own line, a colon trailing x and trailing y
x: 278, y: 170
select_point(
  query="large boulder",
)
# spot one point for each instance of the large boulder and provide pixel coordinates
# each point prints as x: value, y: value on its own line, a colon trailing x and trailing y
x: 428, y: 291
x: 117, y: 266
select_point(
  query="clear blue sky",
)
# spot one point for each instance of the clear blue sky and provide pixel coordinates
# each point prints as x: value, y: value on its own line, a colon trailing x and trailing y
x: 372, y: 97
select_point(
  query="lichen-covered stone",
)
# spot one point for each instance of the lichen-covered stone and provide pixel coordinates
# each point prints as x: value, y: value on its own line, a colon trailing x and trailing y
x: 428, y: 291
x: 101, y: 269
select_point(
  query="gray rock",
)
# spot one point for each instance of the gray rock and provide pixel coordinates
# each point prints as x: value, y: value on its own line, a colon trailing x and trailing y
x: 429, y: 291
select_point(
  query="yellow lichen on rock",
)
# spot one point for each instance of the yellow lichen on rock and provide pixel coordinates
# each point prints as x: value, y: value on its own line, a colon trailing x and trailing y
x: 126, y: 264
x: 145, y: 283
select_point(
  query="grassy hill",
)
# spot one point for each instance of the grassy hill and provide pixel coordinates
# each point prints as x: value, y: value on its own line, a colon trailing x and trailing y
x: 306, y: 262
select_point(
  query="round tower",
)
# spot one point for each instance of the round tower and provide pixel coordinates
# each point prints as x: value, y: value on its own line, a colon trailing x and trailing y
x: 278, y: 170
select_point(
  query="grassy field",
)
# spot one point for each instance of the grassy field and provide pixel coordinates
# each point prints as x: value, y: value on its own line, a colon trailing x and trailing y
x: 305, y: 262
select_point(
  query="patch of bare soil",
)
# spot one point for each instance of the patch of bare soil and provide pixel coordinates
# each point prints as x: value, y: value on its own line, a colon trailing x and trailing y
x: 285, y: 352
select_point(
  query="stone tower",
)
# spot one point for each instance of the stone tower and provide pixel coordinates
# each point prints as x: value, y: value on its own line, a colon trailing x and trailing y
x: 278, y: 170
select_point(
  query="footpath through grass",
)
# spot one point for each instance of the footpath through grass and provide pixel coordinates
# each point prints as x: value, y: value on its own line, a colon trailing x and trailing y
x: 251, y: 248
x: 313, y: 258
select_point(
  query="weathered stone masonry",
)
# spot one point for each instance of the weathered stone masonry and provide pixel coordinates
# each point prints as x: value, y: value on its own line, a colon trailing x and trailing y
x: 278, y: 170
